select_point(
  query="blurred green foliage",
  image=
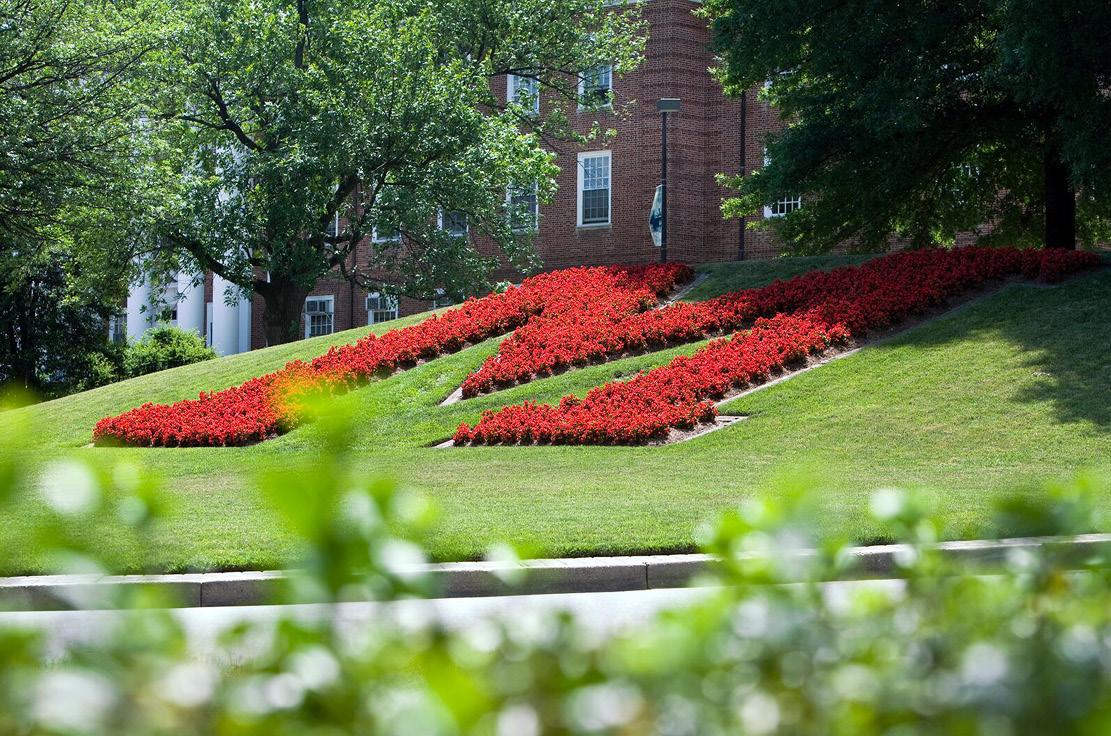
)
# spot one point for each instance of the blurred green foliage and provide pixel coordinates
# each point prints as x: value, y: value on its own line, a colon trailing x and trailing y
x: 771, y: 650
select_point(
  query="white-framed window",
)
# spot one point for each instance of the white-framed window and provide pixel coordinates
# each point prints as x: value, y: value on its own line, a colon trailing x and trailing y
x: 784, y: 206
x: 333, y: 226
x: 320, y: 316
x: 385, y: 235
x: 117, y: 329
x: 595, y: 86
x: 454, y: 222
x: 441, y: 300
x: 170, y: 298
x: 594, y: 188
x: 381, y: 308
x: 524, y: 208
x: 970, y: 171
x: 524, y: 91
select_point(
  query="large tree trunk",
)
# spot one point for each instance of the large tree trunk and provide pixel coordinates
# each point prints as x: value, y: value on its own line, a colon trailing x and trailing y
x: 285, y: 303
x: 1060, y: 203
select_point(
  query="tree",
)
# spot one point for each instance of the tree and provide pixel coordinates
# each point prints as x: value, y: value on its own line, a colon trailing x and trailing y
x: 55, y: 327
x: 284, y: 115
x: 71, y: 178
x: 928, y: 118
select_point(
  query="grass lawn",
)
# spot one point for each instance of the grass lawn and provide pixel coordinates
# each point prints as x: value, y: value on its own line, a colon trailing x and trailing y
x: 1013, y: 390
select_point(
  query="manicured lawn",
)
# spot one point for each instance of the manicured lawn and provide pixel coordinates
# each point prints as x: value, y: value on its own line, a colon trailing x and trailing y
x: 1013, y: 390
x: 725, y: 277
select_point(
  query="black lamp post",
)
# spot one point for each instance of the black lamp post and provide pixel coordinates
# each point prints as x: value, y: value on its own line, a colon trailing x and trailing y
x: 664, y: 107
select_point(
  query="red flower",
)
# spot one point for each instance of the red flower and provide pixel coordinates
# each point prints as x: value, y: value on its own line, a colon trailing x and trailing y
x: 788, y: 321
x: 272, y: 404
x: 585, y: 315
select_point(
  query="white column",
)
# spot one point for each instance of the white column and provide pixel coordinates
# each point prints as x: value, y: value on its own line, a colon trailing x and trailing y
x: 244, y: 325
x: 190, y: 305
x: 140, y: 314
x: 225, y: 318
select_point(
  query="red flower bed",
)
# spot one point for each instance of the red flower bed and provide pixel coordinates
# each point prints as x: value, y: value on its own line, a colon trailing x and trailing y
x: 648, y: 406
x: 586, y: 330
x: 824, y: 308
x: 549, y: 297
x: 559, y: 341
x: 269, y: 405
x: 582, y: 315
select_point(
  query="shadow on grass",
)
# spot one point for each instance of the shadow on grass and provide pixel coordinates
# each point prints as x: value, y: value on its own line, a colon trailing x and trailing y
x: 1065, y: 334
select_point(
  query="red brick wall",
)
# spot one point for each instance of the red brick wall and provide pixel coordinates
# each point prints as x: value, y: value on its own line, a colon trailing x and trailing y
x: 704, y: 140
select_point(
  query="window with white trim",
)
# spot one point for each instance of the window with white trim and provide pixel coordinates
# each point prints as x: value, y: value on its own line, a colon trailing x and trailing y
x: 524, y: 208
x: 381, y: 307
x: 117, y: 329
x: 320, y: 316
x: 333, y: 226
x: 385, y: 235
x: 595, y: 86
x: 454, y: 223
x: 441, y: 300
x: 784, y: 206
x: 170, y: 299
x: 525, y: 91
x: 594, y: 188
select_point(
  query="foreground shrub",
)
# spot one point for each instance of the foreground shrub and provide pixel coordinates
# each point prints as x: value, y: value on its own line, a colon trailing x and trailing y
x: 772, y: 649
x: 164, y: 347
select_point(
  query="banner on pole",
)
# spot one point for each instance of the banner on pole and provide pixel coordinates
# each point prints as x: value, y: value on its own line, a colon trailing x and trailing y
x: 656, y: 217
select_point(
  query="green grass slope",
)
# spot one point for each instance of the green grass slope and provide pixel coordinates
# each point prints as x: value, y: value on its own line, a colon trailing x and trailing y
x: 1010, y: 391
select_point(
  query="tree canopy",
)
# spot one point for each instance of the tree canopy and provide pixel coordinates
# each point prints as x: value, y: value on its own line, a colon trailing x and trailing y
x: 928, y: 118
x: 73, y: 185
x: 280, y: 116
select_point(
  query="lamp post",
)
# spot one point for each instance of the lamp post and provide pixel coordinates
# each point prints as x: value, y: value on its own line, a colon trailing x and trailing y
x: 664, y: 106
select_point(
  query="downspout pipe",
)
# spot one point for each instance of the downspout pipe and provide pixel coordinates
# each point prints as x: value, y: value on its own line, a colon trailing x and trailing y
x: 742, y: 229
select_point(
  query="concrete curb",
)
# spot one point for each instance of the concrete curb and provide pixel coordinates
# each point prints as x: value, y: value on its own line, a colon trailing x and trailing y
x: 530, y: 577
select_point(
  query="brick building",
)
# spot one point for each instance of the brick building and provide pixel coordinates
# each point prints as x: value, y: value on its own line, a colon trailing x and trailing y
x: 600, y: 213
